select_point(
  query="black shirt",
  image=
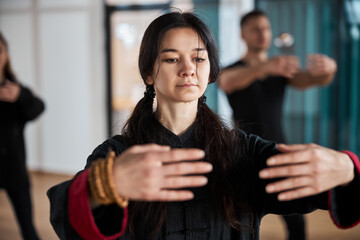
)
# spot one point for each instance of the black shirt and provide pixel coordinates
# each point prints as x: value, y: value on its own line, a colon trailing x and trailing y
x: 200, y: 218
x: 258, y: 107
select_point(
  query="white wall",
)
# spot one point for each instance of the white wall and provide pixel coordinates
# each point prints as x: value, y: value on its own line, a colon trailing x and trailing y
x: 231, y: 45
x: 57, y: 49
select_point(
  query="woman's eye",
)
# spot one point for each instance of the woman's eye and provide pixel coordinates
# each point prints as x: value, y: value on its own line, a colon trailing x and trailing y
x: 171, y: 60
x: 199, y: 59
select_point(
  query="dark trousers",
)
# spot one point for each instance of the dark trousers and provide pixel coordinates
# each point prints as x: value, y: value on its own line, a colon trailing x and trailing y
x: 295, y: 227
x: 21, y: 202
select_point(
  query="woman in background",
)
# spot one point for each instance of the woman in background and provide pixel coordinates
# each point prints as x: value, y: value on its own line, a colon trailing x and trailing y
x: 17, y: 106
x: 179, y: 173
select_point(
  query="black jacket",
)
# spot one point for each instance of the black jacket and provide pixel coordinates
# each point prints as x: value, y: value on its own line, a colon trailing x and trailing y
x: 13, y: 117
x: 199, y: 218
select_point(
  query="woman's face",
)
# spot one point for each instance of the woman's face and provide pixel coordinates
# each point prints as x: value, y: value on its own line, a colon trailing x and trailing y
x: 3, y: 56
x: 181, y: 72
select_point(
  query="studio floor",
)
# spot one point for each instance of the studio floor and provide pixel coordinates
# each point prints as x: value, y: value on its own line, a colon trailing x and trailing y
x: 319, y: 224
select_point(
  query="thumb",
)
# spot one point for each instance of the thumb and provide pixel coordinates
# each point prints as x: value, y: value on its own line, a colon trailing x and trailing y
x: 150, y: 147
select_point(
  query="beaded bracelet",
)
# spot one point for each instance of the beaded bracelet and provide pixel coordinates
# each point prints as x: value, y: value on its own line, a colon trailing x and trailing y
x: 97, y: 183
x: 101, y: 182
x: 122, y: 202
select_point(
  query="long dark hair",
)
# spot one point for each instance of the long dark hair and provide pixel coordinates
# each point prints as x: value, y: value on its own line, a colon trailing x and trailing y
x: 8, y: 72
x: 211, y: 134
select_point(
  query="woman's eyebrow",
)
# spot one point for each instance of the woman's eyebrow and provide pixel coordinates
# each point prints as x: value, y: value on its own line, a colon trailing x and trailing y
x: 199, y: 49
x: 168, y: 50
x: 174, y: 50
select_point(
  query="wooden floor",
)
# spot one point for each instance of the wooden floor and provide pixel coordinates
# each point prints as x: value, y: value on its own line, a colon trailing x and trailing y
x: 319, y: 225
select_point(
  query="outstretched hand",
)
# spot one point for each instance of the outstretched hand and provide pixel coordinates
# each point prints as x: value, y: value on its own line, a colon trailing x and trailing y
x: 284, y: 65
x: 308, y: 169
x: 319, y: 65
x: 157, y: 173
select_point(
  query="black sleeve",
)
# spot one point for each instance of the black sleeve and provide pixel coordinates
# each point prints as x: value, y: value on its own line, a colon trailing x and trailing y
x: 344, y: 206
x: 344, y: 203
x: 58, y: 196
x: 103, y: 213
x: 239, y: 63
x: 59, y: 217
x: 117, y: 144
x: 29, y: 106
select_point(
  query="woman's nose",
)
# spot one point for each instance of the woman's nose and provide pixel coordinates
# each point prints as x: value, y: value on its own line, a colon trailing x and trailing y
x: 187, y: 69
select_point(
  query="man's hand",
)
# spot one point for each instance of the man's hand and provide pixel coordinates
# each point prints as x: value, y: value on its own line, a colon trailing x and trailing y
x: 319, y: 65
x: 286, y: 66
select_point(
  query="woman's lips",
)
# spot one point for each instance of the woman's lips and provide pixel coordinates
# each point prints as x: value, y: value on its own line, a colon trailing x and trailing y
x: 187, y: 85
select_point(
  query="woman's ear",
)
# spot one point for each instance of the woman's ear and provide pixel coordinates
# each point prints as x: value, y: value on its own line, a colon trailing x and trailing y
x: 149, y: 80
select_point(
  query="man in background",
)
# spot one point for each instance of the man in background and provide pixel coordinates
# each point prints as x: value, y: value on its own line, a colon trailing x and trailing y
x: 255, y: 87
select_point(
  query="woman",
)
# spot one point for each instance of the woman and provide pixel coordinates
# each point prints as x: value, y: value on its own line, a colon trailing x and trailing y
x: 186, y: 175
x: 17, y: 106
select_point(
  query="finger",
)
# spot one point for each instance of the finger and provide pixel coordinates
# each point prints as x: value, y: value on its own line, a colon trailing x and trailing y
x: 285, y: 171
x: 177, y: 155
x: 292, y: 59
x: 148, y: 147
x: 288, y: 184
x: 318, y: 66
x: 294, y: 157
x: 315, y: 56
x: 291, y: 67
x: 292, y: 147
x: 290, y: 71
x: 296, y: 194
x: 288, y: 75
x: 183, y: 182
x: 187, y: 168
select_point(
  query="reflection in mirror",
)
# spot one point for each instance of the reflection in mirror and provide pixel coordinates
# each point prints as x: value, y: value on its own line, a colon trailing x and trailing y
x: 127, y: 89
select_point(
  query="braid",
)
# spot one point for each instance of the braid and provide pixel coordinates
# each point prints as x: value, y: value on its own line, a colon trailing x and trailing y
x: 141, y: 120
x: 136, y: 130
x: 201, y: 102
x: 150, y: 92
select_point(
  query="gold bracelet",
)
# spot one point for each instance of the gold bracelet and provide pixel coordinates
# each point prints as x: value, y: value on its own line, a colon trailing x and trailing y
x: 97, y: 183
x: 104, y: 180
x: 101, y: 182
x: 122, y: 202
x: 92, y: 186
